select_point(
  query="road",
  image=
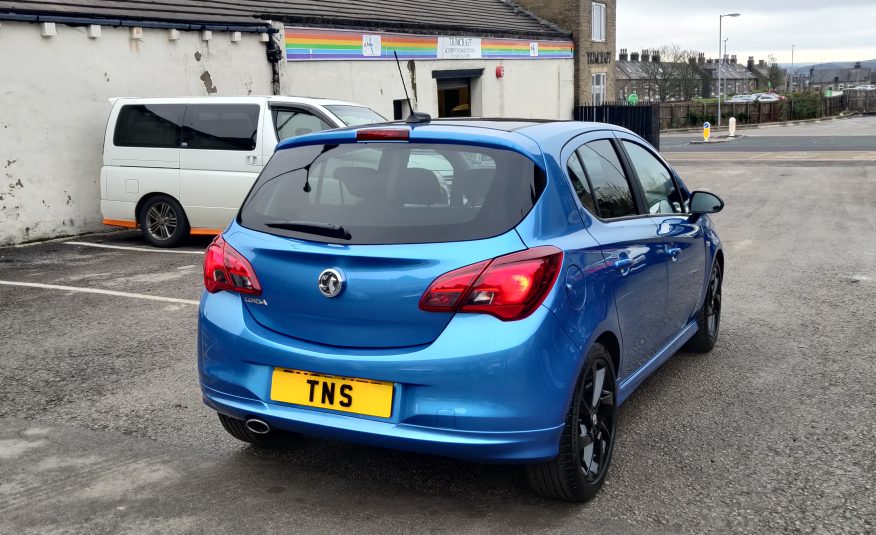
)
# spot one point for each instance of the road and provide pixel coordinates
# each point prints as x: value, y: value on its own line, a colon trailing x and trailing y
x: 102, y: 429
x: 855, y: 134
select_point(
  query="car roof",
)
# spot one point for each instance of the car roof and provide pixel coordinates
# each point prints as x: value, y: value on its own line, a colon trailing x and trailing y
x: 530, y: 137
x: 241, y: 99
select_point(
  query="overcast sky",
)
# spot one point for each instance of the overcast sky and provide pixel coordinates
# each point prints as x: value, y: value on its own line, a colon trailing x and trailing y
x: 823, y: 30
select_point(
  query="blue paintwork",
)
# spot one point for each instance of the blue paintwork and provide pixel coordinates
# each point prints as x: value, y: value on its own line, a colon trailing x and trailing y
x: 466, y: 385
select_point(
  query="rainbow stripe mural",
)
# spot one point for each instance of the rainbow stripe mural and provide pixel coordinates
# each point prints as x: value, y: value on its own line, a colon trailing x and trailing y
x: 308, y: 44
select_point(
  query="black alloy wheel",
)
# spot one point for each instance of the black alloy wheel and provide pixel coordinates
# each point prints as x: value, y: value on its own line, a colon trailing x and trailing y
x: 709, y: 315
x: 163, y: 221
x: 587, y: 442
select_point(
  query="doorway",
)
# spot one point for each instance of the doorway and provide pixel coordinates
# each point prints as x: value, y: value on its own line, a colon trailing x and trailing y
x: 454, y: 97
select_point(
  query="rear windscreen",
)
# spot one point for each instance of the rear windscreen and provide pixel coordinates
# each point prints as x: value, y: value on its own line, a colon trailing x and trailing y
x: 383, y: 193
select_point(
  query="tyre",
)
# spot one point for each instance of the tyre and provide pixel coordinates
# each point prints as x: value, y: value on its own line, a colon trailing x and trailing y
x: 163, y: 221
x: 237, y: 429
x: 587, y: 442
x: 709, y: 316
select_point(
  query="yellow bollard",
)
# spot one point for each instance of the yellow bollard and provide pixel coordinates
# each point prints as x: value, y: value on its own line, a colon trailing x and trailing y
x: 707, y: 131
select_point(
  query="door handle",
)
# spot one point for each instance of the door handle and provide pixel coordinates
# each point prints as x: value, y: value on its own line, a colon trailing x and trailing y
x: 252, y: 160
x: 674, y: 252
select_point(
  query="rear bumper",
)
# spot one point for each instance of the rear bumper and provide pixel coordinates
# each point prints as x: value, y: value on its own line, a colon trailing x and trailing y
x: 484, y: 391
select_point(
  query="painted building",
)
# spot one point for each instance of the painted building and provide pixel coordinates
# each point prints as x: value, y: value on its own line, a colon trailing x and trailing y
x: 63, y: 61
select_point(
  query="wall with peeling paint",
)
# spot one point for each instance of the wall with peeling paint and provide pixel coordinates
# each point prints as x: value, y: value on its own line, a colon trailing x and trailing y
x: 541, y: 89
x: 54, y: 106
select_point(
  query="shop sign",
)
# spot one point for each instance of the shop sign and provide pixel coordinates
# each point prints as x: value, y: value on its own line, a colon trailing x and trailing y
x: 459, y: 48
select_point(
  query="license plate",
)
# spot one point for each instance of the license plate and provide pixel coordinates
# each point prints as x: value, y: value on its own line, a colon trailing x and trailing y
x: 358, y: 396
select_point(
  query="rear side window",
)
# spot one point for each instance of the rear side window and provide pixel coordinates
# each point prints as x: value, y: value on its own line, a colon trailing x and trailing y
x: 383, y: 193
x: 221, y: 126
x: 614, y: 198
x: 355, y: 115
x: 581, y: 184
x: 149, y: 125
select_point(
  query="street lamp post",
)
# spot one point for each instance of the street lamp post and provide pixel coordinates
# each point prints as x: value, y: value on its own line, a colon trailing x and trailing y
x: 721, y: 59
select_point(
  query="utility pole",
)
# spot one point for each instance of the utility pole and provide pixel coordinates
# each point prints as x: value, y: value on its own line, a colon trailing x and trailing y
x: 791, y: 77
x: 721, y: 59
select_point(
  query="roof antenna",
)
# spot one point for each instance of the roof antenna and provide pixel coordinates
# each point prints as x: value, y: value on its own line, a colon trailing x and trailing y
x: 414, y: 117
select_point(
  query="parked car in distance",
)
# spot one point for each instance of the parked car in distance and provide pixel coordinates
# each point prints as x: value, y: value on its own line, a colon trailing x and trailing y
x: 767, y: 97
x: 865, y: 87
x: 741, y: 99
x: 179, y: 166
x: 485, y: 290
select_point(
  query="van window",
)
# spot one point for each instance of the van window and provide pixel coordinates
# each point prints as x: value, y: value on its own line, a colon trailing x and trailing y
x: 221, y: 126
x: 149, y: 125
x: 291, y: 122
x: 380, y: 193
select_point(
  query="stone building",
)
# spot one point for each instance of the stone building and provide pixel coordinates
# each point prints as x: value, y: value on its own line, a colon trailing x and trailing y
x: 594, y: 30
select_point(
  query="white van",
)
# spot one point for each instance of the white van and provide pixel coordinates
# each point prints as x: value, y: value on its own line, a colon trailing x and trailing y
x: 180, y: 166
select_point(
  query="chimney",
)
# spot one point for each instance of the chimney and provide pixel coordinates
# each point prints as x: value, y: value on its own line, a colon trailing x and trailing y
x: 811, y: 72
x: 646, y: 56
x: 857, y: 64
x: 692, y: 61
x: 750, y: 63
x: 623, y: 55
x: 634, y: 56
x: 761, y: 63
x: 655, y: 57
x: 733, y: 59
x: 709, y: 61
x: 701, y: 58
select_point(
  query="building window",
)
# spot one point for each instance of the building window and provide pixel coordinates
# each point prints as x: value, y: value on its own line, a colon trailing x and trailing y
x: 597, y: 91
x: 597, y: 22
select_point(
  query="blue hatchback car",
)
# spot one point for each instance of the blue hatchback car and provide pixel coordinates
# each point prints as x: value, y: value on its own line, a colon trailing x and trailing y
x: 489, y: 290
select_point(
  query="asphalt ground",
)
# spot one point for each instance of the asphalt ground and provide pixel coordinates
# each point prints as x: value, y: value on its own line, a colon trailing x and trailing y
x: 102, y: 429
x: 855, y: 134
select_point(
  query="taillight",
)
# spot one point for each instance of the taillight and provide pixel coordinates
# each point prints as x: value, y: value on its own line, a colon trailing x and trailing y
x: 226, y: 269
x: 509, y: 287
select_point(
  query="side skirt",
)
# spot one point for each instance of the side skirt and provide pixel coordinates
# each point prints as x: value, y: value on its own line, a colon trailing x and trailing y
x: 631, y: 383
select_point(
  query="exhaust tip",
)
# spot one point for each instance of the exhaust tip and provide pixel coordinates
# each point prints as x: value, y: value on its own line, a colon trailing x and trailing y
x: 258, y: 427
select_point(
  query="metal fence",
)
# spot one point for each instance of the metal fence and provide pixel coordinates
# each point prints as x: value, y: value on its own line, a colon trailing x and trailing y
x: 642, y: 118
x: 807, y: 106
x: 861, y: 101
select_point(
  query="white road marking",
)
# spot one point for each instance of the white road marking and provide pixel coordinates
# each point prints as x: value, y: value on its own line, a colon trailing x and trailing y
x: 99, y: 291
x: 124, y: 248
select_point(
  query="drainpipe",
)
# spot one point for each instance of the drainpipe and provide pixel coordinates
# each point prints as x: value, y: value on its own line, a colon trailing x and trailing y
x: 274, y: 55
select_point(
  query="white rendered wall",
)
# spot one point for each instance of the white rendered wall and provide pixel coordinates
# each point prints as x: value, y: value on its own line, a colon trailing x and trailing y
x: 54, y: 106
x: 541, y: 89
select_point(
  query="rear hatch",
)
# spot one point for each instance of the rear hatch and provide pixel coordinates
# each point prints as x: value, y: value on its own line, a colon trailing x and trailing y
x: 377, y: 223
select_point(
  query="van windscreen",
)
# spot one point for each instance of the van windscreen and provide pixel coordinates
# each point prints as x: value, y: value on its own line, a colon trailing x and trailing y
x: 384, y: 193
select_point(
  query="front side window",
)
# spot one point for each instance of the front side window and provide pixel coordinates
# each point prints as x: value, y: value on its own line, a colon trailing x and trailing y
x: 598, y: 22
x: 291, y: 122
x: 150, y: 125
x: 614, y: 198
x: 221, y: 126
x: 380, y: 193
x: 661, y: 194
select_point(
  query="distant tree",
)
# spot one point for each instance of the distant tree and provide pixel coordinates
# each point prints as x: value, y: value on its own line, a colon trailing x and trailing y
x: 674, y: 77
x: 776, y: 76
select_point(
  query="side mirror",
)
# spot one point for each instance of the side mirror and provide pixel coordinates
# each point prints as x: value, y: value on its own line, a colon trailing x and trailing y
x: 703, y: 202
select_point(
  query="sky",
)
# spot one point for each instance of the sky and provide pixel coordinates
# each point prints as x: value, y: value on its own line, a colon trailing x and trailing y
x: 825, y: 30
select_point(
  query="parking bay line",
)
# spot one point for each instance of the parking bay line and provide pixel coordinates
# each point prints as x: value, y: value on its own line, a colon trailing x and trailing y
x: 124, y: 248
x: 99, y: 291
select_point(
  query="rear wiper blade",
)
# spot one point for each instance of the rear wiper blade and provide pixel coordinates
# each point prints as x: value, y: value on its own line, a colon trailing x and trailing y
x: 312, y: 227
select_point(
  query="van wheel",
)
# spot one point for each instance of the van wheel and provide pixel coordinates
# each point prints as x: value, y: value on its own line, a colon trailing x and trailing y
x: 587, y: 442
x: 163, y: 221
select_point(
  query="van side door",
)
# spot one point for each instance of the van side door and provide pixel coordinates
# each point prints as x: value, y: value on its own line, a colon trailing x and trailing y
x: 141, y: 155
x: 220, y: 159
